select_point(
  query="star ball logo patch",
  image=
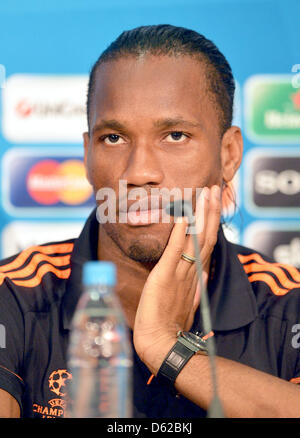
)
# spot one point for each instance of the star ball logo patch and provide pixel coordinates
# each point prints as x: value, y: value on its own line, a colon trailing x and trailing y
x: 56, y: 406
x: 57, y: 382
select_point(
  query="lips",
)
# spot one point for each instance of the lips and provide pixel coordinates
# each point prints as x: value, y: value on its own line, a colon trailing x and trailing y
x: 145, y: 211
x: 148, y: 203
x: 145, y: 217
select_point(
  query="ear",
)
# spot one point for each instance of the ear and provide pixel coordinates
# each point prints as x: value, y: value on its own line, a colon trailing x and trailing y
x: 86, y: 143
x: 231, y: 152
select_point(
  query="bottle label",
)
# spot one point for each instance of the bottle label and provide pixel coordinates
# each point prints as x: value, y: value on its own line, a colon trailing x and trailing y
x: 102, y: 392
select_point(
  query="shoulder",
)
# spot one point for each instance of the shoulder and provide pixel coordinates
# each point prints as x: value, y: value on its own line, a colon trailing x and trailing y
x: 35, y: 275
x: 275, y: 285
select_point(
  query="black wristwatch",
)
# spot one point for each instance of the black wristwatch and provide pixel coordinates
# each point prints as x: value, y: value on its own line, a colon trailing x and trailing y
x: 187, y: 345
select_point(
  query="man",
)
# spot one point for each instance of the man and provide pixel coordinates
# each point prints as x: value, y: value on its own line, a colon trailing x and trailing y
x: 159, y: 112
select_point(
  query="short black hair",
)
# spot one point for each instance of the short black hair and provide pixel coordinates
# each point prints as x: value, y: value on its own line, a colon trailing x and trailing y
x: 171, y: 40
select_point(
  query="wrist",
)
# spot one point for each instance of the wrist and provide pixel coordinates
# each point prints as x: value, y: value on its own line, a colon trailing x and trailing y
x: 188, y: 344
x: 155, y: 354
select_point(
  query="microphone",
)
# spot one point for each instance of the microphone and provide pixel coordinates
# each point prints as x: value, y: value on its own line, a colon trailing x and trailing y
x: 184, y: 208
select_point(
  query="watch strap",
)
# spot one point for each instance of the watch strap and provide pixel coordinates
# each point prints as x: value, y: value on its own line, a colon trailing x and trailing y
x: 175, y: 360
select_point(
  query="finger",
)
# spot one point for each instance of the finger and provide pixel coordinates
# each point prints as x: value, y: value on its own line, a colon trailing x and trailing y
x: 201, y: 217
x: 201, y: 214
x: 196, y: 299
x: 172, y: 253
x: 200, y: 285
x: 213, y: 223
x: 202, y: 204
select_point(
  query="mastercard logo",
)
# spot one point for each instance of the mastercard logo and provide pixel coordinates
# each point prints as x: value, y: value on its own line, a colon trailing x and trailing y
x: 50, y: 182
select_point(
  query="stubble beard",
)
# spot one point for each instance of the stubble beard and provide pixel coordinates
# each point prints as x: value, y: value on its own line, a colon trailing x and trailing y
x: 139, y: 249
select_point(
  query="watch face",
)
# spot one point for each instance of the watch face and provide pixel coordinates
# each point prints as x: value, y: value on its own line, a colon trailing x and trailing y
x: 194, y: 339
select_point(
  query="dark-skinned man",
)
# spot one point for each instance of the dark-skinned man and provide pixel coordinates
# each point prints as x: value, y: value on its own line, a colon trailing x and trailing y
x: 159, y: 114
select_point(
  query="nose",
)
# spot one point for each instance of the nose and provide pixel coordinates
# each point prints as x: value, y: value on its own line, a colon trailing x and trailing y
x: 143, y: 166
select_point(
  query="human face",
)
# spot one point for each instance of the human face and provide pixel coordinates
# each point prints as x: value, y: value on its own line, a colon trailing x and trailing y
x: 153, y: 123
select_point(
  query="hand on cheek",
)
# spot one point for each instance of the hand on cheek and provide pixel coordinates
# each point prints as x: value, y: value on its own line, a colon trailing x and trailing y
x: 171, y: 293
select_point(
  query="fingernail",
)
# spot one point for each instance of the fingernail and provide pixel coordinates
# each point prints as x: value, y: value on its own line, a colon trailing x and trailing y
x: 216, y: 192
x: 206, y: 193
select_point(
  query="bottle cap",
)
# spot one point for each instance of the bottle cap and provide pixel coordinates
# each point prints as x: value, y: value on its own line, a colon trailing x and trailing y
x: 96, y: 272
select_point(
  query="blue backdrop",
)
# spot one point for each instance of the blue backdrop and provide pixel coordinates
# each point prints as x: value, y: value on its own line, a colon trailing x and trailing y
x: 46, y: 52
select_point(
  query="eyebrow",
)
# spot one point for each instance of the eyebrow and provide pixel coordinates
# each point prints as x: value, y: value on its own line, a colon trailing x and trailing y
x: 171, y: 122
x: 108, y: 124
x: 161, y: 123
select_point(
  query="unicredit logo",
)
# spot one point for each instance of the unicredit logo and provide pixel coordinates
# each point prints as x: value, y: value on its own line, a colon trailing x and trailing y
x: 24, y: 108
x: 44, y: 108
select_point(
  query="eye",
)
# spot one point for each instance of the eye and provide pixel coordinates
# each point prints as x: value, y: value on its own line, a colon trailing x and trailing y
x: 112, y: 139
x: 176, y: 137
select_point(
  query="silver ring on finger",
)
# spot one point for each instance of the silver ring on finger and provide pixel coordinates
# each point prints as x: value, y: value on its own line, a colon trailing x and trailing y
x: 188, y: 258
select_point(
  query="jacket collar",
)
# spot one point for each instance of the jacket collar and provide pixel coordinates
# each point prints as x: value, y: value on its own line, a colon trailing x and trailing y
x: 85, y: 249
x: 232, y: 301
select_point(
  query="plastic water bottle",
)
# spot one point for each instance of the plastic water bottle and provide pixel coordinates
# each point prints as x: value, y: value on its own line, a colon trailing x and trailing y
x: 99, y: 353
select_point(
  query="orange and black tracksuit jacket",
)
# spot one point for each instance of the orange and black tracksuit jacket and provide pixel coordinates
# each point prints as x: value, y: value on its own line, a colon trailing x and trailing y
x: 255, y: 309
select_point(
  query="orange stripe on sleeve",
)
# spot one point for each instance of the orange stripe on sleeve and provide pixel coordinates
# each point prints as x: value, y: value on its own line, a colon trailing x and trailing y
x: 47, y: 249
x: 50, y: 266
x: 295, y: 380
x: 245, y: 258
x: 44, y: 269
x: 266, y: 278
x: 12, y: 373
x: 209, y: 335
x: 150, y: 379
x: 295, y: 274
x: 36, y: 259
x: 280, y: 274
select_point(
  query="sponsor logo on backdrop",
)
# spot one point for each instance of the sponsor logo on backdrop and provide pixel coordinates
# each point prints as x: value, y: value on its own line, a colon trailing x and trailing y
x: 19, y: 235
x: 281, y: 242
x: 272, y: 109
x: 44, y: 108
x: 272, y: 182
x: 47, y: 182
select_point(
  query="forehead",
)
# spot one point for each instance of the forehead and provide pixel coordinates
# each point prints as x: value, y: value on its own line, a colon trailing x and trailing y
x: 149, y: 84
